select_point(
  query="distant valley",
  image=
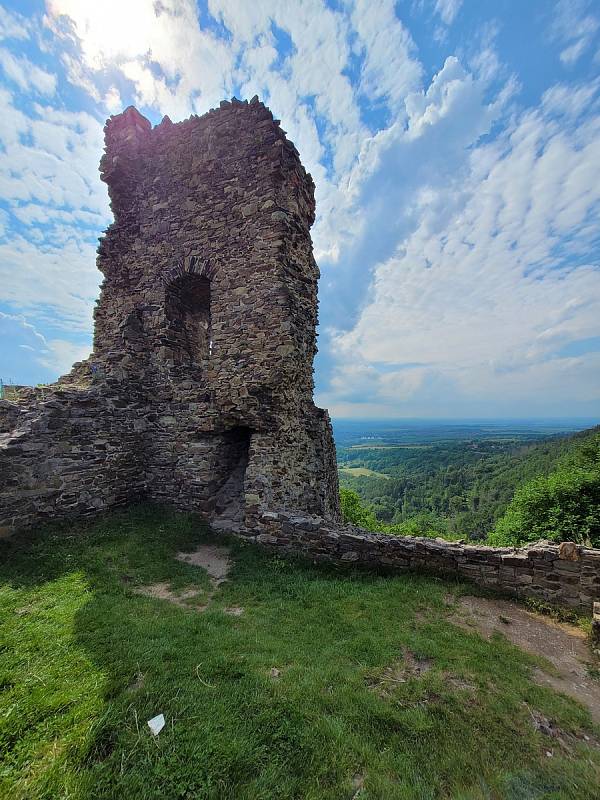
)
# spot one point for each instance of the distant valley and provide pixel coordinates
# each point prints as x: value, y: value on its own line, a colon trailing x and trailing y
x: 452, y: 478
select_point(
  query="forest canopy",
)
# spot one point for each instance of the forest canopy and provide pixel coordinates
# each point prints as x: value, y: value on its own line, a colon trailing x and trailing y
x: 505, y: 493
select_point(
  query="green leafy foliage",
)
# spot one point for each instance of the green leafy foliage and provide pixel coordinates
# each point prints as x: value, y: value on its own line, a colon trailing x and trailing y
x: 354, y: 512
x: 457, y: 488
x: 562, y: 506
x: 425, y: 523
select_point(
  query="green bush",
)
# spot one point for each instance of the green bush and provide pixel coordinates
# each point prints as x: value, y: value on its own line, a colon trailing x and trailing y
x: 563, y: 506
x: 355, y: 513
x: 424, y: 524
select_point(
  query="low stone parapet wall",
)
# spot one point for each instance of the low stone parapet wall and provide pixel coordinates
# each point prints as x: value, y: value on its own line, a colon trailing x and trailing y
x: 566, y: 574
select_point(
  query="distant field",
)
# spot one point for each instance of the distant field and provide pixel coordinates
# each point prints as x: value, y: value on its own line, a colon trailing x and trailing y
x: 359, y: 472
x: 381, y: 433
x: 390, y: 446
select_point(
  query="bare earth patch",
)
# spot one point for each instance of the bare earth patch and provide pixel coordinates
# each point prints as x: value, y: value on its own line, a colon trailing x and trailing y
x: 410, y: 666
x: 163, y: 591
x: 137, y: 683
x: 563, y: 645
x: 214, y: 559
x: 564, y: 739
x: 358, y: 782
x: 459, y: 683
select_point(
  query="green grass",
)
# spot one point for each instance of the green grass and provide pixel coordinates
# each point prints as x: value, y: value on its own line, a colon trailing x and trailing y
x: 76, y: 640
x: 364, y: 471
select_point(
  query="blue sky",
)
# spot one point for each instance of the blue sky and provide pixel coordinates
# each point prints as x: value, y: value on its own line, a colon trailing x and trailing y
x: 455, y: 146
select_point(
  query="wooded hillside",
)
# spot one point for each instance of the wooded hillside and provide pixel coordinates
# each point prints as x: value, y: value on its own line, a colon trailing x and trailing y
x: 458, y: 488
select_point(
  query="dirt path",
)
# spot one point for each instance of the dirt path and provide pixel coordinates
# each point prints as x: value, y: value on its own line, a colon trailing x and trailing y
x: 563, y: 645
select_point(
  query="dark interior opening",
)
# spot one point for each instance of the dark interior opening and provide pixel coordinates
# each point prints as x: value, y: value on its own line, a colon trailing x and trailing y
x: 229, y: 499
x: 187, y: 309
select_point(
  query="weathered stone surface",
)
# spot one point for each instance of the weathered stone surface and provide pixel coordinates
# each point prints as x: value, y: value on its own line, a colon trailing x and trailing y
x: 596, y: 624
x: 506, y: 569
x: 199, y: 389
x: 568, y: 551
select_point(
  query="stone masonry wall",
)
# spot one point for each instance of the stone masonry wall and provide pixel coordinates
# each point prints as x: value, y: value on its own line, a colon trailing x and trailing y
x: 562, y: 575
x: 71, y: 453
x: 199, y: 389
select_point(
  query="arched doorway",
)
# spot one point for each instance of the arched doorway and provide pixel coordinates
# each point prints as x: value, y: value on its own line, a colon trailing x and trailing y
x: 229, y: 498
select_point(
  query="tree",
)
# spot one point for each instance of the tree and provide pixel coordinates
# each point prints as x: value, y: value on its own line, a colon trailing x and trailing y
x: 562, y: 506
x: 355, y: 513
x: 425, y: 523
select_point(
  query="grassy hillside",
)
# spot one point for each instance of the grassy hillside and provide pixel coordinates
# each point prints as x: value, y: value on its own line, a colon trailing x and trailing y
x: 463, y: 487
x: 295, y: 682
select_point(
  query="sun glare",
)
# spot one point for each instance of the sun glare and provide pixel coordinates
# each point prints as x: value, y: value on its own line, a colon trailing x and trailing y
x: 111, y: 30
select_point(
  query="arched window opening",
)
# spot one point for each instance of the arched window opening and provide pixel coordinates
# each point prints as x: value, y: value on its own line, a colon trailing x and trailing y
x: 187, y: 308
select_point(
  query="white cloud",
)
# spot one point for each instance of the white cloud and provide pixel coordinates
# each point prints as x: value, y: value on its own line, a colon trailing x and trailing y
x: 49, y: 183
x: 29, y: 357
x: 62, y: 354
x: 448, y: 9
x: 194, y: 65
x: 13, y: 123
x: 79, y: 76
x: 572, y: 53
x: 396, y: 166
x: 390, y: 67
x: 13, y: 25
x: 570, y: 100
x: 57, y: 280
x: 25, y: 74
x: 485, y: 62
x: 50, y: 156
x: 574, y: 27
x: 496, y: 277
x: 18, y: 322
x: 113, y: 101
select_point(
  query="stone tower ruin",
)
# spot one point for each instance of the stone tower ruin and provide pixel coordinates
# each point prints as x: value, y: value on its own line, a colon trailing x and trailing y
x: 198, y: 392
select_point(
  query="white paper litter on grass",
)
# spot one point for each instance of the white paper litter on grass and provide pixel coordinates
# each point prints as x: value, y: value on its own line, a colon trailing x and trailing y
x: 156, y: 724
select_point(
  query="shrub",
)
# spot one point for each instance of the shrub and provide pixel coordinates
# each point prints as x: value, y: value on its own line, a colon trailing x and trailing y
x: 562, y: 506
x: 422, y: 524
x: 425, y: 523
x: 355, y: 513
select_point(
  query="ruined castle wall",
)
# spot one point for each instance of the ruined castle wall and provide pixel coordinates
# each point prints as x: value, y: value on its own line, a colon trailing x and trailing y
x: 301, y: 465
x: 73, y: 454
x: 223, y: 196
x: 561, y: 575
x: 235, y: 208
x: 199, y: 389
